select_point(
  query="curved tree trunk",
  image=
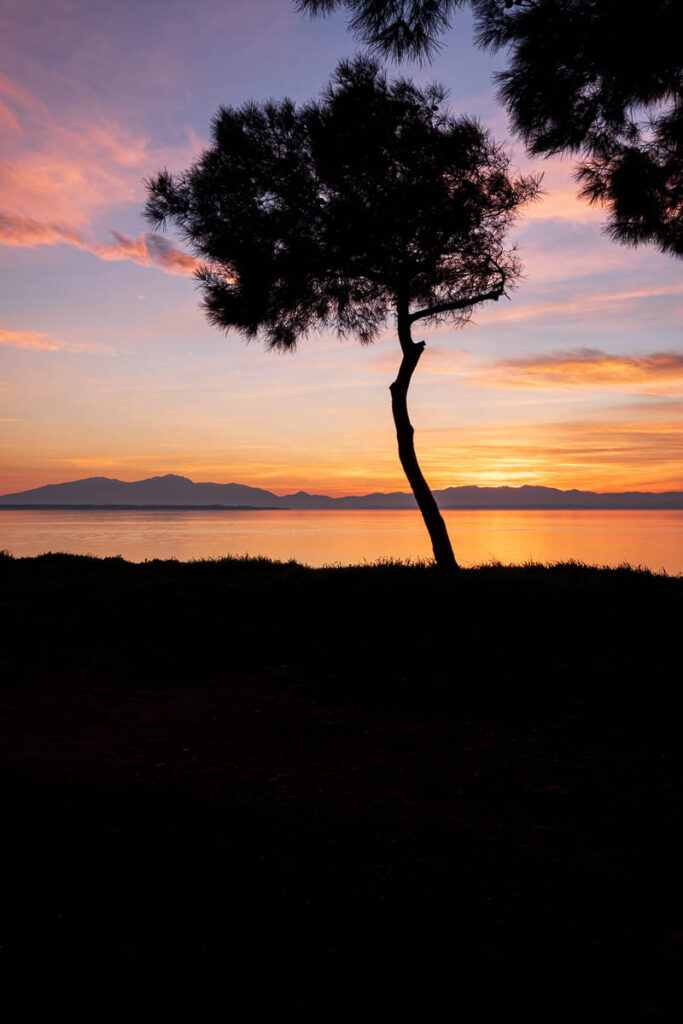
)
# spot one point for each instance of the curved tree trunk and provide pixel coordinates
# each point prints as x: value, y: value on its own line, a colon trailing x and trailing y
x: 441, y: 545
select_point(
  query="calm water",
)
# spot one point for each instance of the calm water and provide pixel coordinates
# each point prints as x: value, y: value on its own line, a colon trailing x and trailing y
x: 653, y: 539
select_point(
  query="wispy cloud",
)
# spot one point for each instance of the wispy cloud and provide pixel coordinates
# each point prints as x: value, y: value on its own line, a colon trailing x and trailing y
x: 71, y: 168
x: 42, y: 342
x: 597, y: 454
x: 13, y: 95
x: 29, y: 234
x: 560, y: 199
x: 589, y: 368
x: 436, y: 361
x: 55, y: 176
x: 28, y: 339
x: 657, y: 372
x: 581, y: 306
x: 148, y: 250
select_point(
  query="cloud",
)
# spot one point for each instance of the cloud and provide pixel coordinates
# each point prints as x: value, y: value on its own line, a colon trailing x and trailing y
x: 655, y: 374
x: 582, y: 305
x: 590, y: 368
x: 68, y: 171
x: 555, y: 251
x: 56, y: 176
x: 28, y: 339
x: 436, y: 361
x: 148, y: 250
x: 560, y: 199
x: 602, y: 309
x: 28, y: 234
x: 607, y: 454
x: 14, y: 95
x: 39, y: 341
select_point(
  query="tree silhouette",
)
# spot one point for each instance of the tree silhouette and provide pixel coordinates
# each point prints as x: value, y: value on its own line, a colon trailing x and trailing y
x: 584, y: 76
x: 372, y: 203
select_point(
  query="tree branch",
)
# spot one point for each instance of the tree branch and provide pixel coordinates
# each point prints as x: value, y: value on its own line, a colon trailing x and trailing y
x: 446, y: 307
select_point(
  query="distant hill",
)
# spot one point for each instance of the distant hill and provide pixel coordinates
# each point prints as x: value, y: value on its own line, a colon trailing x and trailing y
x: 172, y: 490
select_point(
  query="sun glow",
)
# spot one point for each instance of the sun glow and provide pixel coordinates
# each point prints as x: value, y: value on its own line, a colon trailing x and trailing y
x: 110, y: 369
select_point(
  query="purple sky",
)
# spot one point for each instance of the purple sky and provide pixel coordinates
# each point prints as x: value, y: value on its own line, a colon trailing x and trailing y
x: 108, y: 367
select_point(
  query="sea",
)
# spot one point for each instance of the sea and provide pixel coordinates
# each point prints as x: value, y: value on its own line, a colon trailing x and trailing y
x: 651, y: 539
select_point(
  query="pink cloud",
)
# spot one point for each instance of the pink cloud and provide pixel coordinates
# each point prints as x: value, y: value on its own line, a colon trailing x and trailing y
x: 560, y: 200
x: 40, y: 341
x: 583, y: 305
x: 56, y: 176
x: 148, y: 250
x: 660, y: 372
x: 68, y: 170
x: 11, y: 95
x: 29, y: 234
x: 27, y: 339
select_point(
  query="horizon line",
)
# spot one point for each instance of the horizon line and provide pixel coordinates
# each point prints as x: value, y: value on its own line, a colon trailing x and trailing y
x: 360, y: 494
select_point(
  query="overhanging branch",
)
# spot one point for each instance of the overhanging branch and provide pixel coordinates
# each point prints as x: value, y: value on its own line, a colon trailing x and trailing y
x: 449, y: 307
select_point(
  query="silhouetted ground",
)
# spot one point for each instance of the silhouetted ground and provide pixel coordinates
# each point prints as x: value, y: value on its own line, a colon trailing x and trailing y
x: 373, y: 770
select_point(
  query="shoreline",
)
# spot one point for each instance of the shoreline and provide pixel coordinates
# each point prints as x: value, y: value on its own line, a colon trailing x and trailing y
x: 607, y: 507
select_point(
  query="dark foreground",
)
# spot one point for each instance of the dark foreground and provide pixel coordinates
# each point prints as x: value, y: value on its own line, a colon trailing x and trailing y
x: 373, y: 772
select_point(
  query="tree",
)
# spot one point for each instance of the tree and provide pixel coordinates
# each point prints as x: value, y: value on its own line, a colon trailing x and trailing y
x: 585, y: 77
x: 372, y: 203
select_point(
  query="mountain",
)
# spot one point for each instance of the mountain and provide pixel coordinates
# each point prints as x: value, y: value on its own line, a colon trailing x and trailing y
x: 550, y: 497
x: 157, y: 490
x: 172, y: 490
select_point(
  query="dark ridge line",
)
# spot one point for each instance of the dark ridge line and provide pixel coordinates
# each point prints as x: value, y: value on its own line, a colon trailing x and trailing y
x: 41, y: 506
x: 469, y: 507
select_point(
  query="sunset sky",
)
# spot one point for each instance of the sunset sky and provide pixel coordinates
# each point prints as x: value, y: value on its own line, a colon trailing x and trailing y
x: 108, y: 368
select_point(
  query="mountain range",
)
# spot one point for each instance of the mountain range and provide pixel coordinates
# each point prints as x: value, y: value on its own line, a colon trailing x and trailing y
x: 179, y: 491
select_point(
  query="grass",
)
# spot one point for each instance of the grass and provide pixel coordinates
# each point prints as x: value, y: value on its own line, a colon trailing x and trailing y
x: 372, y: 625
x: 198, y: 754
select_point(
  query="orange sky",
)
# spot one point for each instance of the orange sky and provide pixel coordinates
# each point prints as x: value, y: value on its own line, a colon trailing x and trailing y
x: 107, y: 368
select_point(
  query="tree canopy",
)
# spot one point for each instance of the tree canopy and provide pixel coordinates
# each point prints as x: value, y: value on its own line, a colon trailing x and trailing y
x: 321, y: 216
x: 583, y: 76
x: 372, y: 203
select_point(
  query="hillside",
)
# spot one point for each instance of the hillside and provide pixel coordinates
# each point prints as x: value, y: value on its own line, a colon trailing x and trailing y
x: 173, y: 490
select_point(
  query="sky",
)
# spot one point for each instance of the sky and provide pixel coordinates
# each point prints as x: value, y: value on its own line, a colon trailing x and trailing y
x: 107, y: 367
